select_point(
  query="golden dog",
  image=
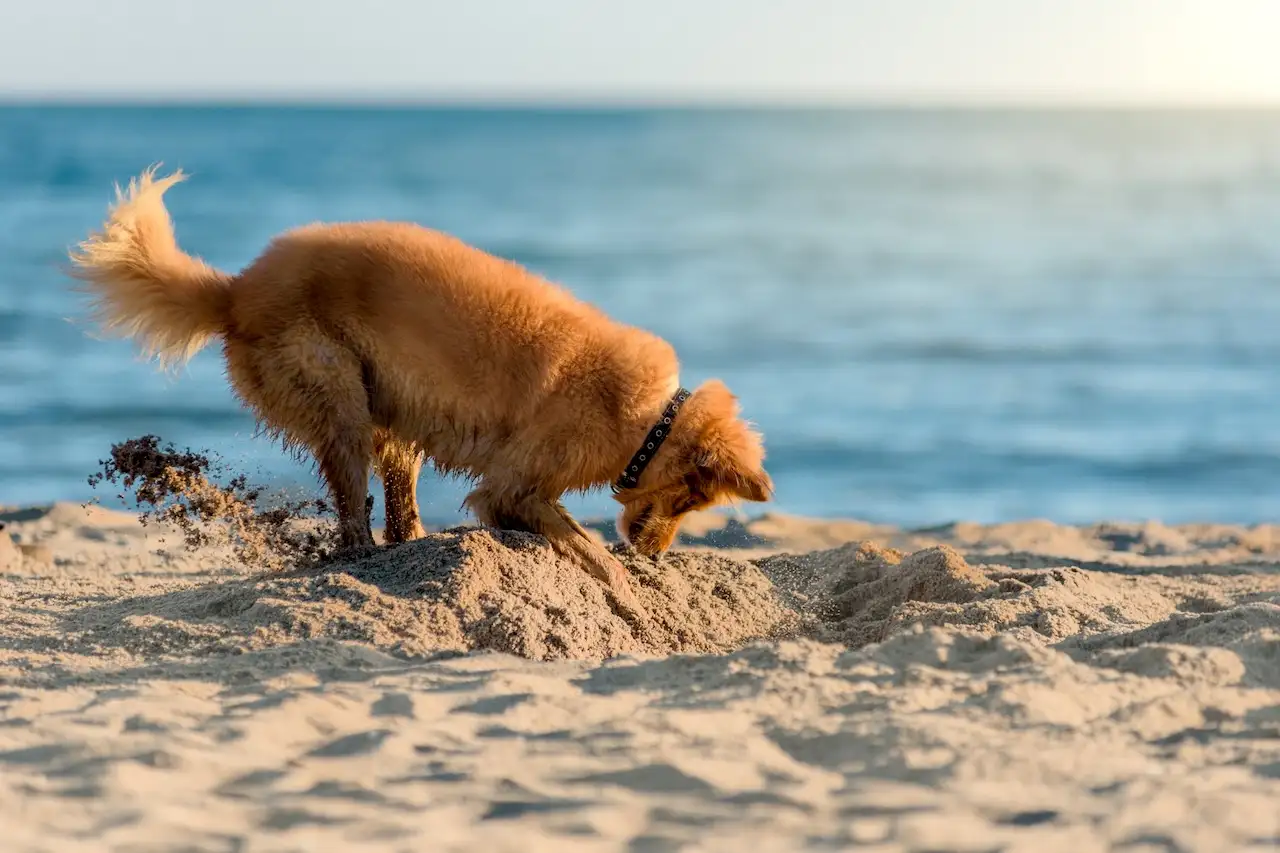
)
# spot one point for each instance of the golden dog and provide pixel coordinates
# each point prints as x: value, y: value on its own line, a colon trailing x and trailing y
x: 383, y: 343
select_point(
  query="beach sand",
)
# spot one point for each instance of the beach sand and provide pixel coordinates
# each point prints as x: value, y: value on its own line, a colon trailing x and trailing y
x: 799, y: 684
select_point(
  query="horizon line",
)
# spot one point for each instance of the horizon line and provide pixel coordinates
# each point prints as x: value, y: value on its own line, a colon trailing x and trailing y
x: 621, y: 102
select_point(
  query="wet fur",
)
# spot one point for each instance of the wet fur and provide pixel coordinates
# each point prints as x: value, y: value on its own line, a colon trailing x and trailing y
x: 381, y: 345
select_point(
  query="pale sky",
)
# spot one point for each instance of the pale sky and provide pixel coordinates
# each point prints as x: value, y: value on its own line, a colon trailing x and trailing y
x: 1101, y: 51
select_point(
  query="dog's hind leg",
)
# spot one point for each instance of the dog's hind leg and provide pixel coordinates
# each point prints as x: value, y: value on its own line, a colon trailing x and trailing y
x: 344, y: 462
x: 398, y: 464
x: 339, y: 431
x: 534, y: 514
x: 309, y: 390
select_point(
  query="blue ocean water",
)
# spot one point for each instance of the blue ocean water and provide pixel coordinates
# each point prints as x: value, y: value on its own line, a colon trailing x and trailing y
x: 931, y: 315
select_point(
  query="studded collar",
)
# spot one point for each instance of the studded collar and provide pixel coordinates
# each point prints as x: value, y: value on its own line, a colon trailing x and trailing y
x: 630, y: 478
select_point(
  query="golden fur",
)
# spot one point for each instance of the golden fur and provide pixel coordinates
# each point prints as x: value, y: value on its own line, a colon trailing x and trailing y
x: 382, y: 344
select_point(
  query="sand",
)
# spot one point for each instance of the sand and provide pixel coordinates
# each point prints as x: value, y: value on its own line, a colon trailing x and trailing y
x: 800, y: 684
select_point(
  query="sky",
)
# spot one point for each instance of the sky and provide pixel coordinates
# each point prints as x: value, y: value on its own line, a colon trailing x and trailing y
x: 899, y: 51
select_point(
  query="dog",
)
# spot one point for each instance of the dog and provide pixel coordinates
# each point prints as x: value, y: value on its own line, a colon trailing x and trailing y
x: 383, y: 344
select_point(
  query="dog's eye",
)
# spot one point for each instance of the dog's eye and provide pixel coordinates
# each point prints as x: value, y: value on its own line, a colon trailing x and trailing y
x: 696, y: 496
x: 688, y: 504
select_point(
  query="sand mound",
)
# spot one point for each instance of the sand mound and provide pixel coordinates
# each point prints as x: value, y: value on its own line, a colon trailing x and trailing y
x: 861, y: 593
x: 463, y: 590
x: 1237, y: 645
x: 509, y: 592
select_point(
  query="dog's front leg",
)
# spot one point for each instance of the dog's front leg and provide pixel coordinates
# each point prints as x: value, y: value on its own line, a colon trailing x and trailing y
x: 548, y: 518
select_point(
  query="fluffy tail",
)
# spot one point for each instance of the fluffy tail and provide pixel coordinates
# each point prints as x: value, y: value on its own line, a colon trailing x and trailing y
x: 143, y: 286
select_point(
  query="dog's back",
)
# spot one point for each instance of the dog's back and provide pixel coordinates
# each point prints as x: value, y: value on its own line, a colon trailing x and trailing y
x: 439, y: 309
x: 441, y: 329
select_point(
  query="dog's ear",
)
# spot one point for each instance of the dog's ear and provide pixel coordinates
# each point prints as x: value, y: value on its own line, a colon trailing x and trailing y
x: 756, y: 486
x: 730, y: 454
x: 718, y: 475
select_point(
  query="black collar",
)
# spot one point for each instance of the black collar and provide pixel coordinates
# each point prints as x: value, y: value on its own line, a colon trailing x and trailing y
x: 630, y: 478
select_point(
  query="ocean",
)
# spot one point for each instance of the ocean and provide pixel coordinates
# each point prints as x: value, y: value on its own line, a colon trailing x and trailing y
x: 931, y: 315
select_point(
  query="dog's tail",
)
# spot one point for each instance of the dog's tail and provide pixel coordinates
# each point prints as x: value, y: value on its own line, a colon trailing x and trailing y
x: 143, y: 286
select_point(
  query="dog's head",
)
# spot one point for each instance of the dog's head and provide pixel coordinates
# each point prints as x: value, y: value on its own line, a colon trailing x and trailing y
x: 711, y: 457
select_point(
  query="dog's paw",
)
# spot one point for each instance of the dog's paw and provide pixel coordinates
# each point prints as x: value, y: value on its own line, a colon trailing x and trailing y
x: 622, y: 597
x: 627, y: 607
x: 606, y: 568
